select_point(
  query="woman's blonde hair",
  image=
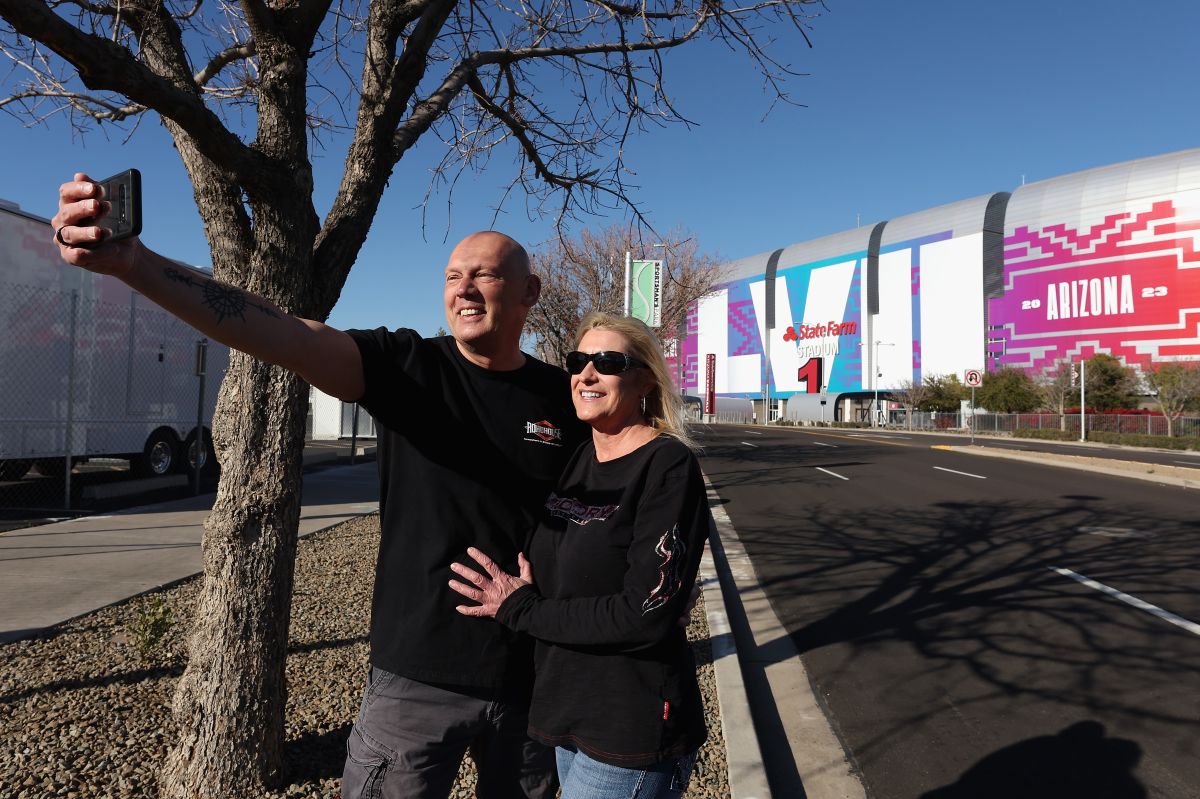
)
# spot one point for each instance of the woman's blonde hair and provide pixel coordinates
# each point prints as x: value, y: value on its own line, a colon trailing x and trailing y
x: 664, y: 408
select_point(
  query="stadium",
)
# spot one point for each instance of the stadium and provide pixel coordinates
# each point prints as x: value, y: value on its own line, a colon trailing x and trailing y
x: 1053, y: 272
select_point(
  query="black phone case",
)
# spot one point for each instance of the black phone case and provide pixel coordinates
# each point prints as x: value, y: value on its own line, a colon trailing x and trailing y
x: 123, y: 192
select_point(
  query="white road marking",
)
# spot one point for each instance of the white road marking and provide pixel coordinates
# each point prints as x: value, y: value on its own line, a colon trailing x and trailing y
x: 748, y: 444
x: 752, y: 432
x: 823, y: 444
x: 1140, y: 604
x: 964, y: 474
x: 1115, y: 532
x: 835, y: 474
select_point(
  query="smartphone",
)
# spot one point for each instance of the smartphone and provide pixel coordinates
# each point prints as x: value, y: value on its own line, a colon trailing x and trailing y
x: 123, y: 192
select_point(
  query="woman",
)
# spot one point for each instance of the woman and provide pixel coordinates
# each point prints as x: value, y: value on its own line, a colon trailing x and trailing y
x: 614, y: 557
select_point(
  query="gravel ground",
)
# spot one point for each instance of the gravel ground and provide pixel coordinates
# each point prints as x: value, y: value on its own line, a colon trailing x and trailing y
x: 84, y: 713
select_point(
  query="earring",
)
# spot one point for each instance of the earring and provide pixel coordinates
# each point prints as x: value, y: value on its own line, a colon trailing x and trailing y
x: 643, y: 404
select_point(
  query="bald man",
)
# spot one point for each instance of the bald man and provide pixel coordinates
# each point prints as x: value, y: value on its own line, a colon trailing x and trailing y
x: 473, y: 434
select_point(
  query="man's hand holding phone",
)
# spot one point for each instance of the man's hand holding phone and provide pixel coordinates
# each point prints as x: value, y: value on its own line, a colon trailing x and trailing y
x: 98, y: 222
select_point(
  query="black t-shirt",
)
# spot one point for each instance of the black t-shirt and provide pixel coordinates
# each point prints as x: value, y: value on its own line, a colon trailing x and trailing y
x: 614, y: 559
x: 466, y: 458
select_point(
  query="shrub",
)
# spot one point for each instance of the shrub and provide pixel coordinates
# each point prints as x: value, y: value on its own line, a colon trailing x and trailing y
x: 1050, y: 435
x: 151, y: 623
x: 1142, y: 440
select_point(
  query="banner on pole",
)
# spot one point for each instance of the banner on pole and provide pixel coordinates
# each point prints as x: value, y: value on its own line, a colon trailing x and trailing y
x: 645, y: 292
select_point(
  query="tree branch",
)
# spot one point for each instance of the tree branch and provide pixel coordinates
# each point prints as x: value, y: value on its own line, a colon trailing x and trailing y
x: 103, y: 64
x: 222, y: 59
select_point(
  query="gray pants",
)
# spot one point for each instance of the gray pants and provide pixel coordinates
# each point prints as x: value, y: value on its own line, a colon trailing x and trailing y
x: 410, y: 738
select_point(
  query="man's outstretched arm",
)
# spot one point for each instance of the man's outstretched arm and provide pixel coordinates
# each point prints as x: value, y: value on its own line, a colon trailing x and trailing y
x: 326, y: 357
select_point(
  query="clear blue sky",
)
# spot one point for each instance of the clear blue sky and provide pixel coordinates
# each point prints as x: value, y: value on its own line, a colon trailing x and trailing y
x: 908, y: 106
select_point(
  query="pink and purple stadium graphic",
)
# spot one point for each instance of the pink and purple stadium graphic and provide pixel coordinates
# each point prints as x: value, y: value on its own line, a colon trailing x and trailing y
x: 1128, y: 286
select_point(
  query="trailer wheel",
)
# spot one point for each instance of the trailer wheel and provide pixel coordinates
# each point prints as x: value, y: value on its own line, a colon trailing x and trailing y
x: 159, y: 456
x: 14, y: 470
x: 208, y: 457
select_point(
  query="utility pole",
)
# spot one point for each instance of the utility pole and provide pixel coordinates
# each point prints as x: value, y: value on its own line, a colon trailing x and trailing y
x: 1082, y: 400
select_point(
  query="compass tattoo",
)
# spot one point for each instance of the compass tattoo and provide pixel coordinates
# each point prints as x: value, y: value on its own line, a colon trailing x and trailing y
x: 225, y: 301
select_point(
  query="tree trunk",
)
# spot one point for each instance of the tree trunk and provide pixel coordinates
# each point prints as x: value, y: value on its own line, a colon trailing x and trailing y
x: 230, y: 701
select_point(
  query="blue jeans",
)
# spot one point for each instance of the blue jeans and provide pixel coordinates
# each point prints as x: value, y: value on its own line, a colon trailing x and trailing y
x: 585, y: 778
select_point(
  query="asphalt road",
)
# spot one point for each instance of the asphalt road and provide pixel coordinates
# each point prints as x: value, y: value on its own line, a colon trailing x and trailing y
x: 936, y: 600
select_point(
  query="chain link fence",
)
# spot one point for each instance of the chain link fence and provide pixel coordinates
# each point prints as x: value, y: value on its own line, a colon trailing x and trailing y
x: 1184, y: 427
x: 1133, y: 424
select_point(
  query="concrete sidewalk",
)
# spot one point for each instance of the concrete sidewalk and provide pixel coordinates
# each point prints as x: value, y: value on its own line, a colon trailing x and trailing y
x: 55, y: 572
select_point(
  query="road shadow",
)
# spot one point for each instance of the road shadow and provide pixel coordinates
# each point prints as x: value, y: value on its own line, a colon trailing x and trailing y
x: 936, y: 616
x: 1080, y: 762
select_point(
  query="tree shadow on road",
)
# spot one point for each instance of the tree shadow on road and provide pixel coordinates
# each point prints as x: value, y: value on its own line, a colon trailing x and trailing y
x: 959, y: 609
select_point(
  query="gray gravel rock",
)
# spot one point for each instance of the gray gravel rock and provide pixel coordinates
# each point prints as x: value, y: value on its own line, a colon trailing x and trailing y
x: 86, y: 712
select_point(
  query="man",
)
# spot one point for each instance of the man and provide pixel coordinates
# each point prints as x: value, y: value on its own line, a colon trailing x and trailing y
x: 474, y: 435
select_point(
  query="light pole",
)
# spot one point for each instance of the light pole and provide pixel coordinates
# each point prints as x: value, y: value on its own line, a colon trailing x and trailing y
x: 875, y: 375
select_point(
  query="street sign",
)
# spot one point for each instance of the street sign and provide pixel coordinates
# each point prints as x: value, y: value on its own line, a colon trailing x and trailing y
x: 973, y: 378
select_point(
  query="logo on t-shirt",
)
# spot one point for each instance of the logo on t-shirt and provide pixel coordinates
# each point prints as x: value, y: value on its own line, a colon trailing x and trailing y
x: 576, y: 511
x: 545, y: 432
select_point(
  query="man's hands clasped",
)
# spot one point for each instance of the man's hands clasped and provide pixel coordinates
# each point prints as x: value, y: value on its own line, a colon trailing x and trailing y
x: 491, y: 588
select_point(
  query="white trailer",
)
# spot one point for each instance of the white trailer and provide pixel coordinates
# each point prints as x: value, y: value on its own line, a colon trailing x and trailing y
x: 89, y: 368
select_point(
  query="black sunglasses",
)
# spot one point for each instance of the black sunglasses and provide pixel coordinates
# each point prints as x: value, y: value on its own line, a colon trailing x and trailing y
x: 606, y: 363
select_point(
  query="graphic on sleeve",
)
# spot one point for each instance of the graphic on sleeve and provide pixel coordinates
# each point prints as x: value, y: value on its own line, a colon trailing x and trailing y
x: 670, y: 572
x: 576, y: 511
x: 544, y: 432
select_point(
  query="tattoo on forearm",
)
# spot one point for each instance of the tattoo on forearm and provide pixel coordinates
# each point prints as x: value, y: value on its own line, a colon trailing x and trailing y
x: 225, y: 301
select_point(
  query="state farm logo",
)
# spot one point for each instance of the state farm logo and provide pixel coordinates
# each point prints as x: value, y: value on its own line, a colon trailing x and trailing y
x: 544, y: 432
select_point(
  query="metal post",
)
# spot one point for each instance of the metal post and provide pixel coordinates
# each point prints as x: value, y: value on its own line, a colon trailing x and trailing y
x: 971, y: 421
x: 628, y: 273
x: 70, y: 402
x: 201, y: 451
x: 767, y: 377
x: 1082, y: 400
x: 354, y: 434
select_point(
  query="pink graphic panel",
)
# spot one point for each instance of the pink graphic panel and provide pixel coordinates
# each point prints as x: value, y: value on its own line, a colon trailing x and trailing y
x: 1128, y: 286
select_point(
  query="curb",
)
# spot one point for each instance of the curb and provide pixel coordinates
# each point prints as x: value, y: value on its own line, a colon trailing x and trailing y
x: 778, y: 737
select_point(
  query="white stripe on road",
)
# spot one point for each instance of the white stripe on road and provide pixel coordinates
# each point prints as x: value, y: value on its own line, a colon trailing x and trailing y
x: 964, y: 474
x: 823, y: 444
x: 1140, y: 604
x: 835, y: 474
x: 752, y: 432
x: 748, y: 444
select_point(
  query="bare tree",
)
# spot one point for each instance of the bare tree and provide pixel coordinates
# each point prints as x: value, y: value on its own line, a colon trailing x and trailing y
x: 1058, y: 389
x: 910, y: 394
x: 246, y: 90
x: 1176, y: 387
x: 586, y: 273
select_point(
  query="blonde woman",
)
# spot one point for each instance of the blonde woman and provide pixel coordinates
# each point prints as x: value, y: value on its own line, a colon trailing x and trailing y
x: 609, y: 572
